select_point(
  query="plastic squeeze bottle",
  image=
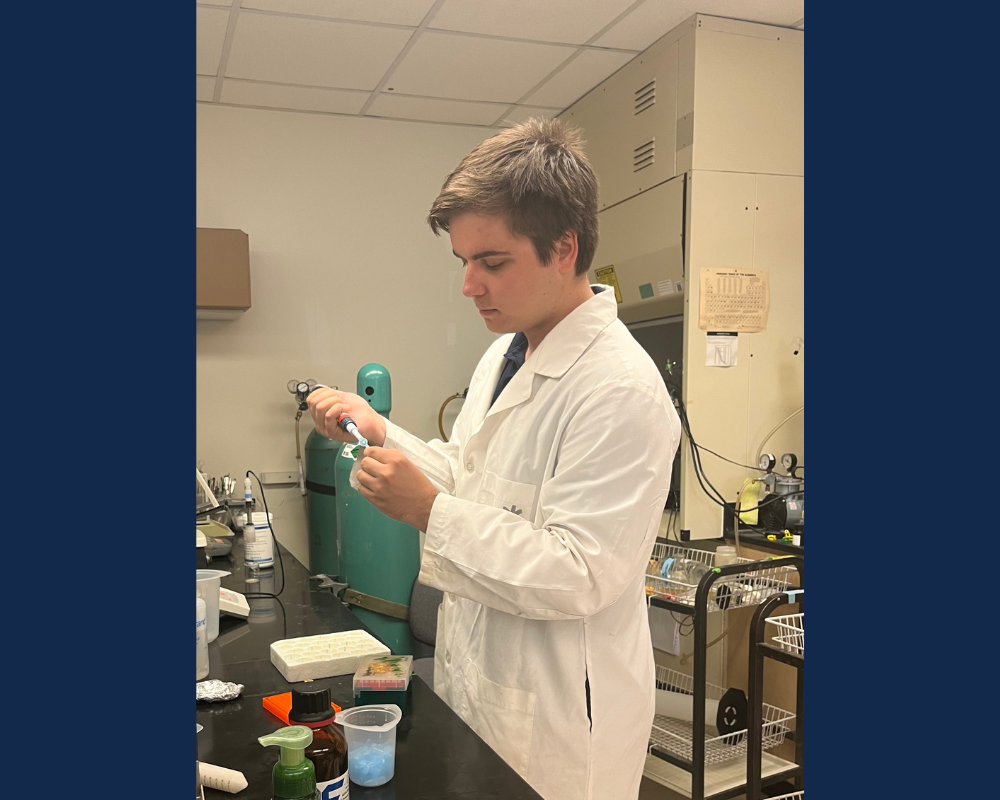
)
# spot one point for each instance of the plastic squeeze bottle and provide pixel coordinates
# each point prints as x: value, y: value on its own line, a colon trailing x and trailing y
x: 328, y: 751
x: 293, y: 777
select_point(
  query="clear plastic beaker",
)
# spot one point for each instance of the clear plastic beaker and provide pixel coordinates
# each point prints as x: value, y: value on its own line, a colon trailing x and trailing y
x: 371, y: 742
x: 209, y: 581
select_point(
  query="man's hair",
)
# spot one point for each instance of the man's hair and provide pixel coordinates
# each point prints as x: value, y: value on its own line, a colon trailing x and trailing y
x: 536, y: 177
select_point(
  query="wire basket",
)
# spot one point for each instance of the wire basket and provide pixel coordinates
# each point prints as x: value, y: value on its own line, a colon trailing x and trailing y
x: 789, y: 633
x: 792, y: 796
x: 675, y: 736
x: 730, y: 591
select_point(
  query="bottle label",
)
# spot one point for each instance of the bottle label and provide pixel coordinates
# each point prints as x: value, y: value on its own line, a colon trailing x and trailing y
x: 337, y: 789
x: 259, y: 551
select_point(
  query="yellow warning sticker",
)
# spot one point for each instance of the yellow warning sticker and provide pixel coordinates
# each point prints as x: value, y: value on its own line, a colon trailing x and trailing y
x: 606, y: 275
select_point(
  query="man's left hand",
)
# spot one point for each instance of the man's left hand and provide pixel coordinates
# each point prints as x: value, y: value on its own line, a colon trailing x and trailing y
x: 392, y: 483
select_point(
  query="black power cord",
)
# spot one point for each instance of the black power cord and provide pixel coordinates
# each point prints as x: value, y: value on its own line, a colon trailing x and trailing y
x: 699, y: 470
x: 274, y: 542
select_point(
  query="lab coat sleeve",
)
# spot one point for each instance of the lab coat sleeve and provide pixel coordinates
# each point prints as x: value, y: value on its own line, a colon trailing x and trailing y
x: 597, y: 511
x: 438, y: 460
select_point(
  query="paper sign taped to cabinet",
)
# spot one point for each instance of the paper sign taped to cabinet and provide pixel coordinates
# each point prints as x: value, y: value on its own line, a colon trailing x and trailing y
x: 736, y: 300
x: 721, y: 349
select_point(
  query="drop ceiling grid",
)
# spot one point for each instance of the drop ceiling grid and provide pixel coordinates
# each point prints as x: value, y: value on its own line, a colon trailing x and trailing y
x: 447, y: 61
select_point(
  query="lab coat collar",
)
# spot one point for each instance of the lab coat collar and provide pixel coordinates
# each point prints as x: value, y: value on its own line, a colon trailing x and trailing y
x: 568, y: 340
x: 559, y: 351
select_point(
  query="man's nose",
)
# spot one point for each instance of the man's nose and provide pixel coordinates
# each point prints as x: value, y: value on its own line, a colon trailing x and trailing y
x: 472, y: 286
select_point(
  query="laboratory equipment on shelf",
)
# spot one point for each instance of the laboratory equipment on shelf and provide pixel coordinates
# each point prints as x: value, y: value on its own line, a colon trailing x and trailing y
x: 783, y: 506
x: 371, y: 742
x: 294, y: 776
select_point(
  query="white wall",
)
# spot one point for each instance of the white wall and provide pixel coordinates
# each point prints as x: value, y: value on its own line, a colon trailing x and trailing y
x: 344, y: 271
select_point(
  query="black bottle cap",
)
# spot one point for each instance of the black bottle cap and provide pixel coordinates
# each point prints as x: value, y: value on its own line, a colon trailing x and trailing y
x: 311, y: 705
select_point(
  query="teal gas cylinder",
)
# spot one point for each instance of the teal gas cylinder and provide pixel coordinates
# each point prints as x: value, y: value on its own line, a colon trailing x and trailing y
x: 321, y: 501
x: 379, y: 557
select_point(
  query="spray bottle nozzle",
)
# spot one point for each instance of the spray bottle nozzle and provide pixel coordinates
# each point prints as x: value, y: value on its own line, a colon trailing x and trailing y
x: 294, y: 776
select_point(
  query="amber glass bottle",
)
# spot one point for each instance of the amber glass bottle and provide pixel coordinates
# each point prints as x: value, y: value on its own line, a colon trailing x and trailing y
x: 328, y: 751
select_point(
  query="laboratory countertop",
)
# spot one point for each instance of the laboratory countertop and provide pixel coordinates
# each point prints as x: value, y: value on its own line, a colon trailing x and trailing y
x: 438, y: 756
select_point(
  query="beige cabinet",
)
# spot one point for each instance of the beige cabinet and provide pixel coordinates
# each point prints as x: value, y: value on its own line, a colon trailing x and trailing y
x: 223, y: 273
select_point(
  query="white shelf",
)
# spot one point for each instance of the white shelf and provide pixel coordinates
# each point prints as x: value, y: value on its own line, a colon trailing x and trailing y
x: 718, y: 777
x: 677, y: 737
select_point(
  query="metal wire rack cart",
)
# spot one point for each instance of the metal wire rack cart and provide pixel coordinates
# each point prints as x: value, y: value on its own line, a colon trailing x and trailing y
x: 782, y: 638
x: 717, y: 764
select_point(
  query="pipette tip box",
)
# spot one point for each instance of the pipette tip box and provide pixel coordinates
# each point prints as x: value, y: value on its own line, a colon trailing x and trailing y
x: 383, y: 673
x: 383, y: 680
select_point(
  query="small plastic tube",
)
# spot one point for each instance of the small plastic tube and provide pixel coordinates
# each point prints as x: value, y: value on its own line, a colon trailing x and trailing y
x: 225, y: 780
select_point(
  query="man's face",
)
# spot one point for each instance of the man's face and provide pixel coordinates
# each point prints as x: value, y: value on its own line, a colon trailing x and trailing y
x: 511, y: 288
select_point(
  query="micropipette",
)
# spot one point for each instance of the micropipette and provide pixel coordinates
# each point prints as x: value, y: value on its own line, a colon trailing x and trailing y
x: 346, y: 423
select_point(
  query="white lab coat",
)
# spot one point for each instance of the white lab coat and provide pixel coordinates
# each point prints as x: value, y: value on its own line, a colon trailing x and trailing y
x: 549, y: 508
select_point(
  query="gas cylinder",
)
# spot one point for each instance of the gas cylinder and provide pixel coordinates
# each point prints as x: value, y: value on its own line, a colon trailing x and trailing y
x: 379, y: 557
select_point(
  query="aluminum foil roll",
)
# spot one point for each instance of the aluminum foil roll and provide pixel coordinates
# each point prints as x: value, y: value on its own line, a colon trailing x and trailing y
x: 217, y: 691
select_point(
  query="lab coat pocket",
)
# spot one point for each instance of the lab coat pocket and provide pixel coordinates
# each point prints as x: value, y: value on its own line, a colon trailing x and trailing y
x: 503, y: 717
x: 517, y: 498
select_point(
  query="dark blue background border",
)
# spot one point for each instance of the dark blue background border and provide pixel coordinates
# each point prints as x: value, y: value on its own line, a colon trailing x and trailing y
x: 99, y: 323
x: 899, y: 425
x: 99, y: 285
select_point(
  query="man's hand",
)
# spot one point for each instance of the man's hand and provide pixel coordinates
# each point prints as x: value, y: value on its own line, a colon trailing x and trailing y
x: 392, y: 483
x: 326, y: 405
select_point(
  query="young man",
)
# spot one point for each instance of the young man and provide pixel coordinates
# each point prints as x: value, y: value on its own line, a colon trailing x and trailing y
x: 541, y: 512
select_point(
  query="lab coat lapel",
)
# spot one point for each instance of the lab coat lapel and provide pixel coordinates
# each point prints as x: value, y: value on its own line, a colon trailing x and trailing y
x: 513, y: 394
x: 556, y: 354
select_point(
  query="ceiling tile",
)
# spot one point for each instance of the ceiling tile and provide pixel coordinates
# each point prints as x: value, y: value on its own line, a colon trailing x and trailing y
x: 312, y: 52
x: 434, y: 110
x: 399, y: 12
x: 475, y: 68
x: 301, y: 98
x: 210, y: 33
x: 573, y: 21
x: 654, y: 18
x: 204, y: 88
x: 523, y: 113
x: 578, y: 77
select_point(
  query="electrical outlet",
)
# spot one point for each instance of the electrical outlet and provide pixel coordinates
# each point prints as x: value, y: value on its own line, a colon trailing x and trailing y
x: 279, y: 478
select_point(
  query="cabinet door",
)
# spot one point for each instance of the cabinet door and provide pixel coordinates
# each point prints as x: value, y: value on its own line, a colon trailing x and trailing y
x: 223, y: 269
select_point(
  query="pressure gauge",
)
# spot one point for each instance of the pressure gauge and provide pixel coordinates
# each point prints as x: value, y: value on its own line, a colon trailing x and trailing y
x: 311, y: 383
x: 789, y: 461
x: 766, y: 462
x: 293, y: 386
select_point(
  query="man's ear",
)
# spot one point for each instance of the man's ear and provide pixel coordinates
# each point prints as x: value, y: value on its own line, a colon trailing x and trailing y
x: 566, y: 251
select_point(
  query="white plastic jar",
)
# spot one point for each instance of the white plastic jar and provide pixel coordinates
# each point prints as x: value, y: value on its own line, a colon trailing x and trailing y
x: 259, y: 549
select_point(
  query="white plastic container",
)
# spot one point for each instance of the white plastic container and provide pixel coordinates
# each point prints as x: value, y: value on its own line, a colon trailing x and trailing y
x: 207, y: 586
x: 371, y: 742
x: 725, y: 554
x: 201, y: 627
x: 259, y: 550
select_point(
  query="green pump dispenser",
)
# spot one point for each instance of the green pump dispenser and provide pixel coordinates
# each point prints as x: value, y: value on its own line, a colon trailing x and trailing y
x: 294, y: 776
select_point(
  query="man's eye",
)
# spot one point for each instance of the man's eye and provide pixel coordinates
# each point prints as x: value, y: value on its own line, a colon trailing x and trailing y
x: 494, y: 266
